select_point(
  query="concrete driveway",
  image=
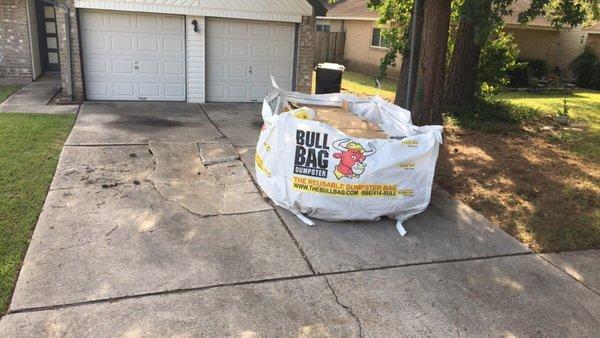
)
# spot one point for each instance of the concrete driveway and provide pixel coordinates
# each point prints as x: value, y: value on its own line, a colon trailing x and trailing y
x: 153, y: 226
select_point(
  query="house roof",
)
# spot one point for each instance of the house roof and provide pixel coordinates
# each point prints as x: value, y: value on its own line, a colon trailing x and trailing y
x: 595, y: 28
x: 351, y: 9
x: 357, y: 9
x: 520, y: 6
x: 270, y: 10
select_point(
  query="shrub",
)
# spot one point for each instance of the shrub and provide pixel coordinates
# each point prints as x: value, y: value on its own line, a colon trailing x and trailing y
x: 537, y: 67
x: 518, y: 75
x: 489, y: 114
x: 498, y: 58
x: 586, y: 68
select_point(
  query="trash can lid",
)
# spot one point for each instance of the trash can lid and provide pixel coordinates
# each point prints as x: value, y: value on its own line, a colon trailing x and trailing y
x: 330, y: 65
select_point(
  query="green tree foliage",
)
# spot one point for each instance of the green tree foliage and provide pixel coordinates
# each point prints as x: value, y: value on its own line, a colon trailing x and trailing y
x: 499, y: 56
x: 586, y: 68
x: 563, y: 12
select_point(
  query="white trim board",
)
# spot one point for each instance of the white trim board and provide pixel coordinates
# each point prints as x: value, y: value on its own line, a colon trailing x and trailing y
x: 269, y: 10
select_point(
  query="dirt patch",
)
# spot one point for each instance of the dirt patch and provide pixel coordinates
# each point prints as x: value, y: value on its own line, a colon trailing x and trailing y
x: 541, y: 194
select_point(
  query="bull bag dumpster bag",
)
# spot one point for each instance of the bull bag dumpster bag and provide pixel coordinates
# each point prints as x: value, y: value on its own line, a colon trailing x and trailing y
x: 309, y: 167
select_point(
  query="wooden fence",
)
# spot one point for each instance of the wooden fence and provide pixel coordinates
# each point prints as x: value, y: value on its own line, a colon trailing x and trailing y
x: 329, y: 47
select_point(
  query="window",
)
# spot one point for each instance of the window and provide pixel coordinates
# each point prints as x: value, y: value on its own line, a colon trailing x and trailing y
x: 377, y: 40
x: 323, y: 27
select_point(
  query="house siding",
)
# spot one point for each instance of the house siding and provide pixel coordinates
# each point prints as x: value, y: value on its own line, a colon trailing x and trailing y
x: 196, y: 60
x: 15, y: 53
x: 358, y: 53
x: 571, y: 43
x: 536, y: 44
x: 593, y: 43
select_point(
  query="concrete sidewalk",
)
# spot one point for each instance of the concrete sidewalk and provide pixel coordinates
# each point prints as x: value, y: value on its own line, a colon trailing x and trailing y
x: 35, y: 97
x: 139, y: 235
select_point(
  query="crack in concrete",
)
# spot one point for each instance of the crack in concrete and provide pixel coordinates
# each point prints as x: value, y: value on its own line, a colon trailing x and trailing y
x: 188, y: 210
x: 346, y: 307
x: 67, y: 247
x: 112, y: 230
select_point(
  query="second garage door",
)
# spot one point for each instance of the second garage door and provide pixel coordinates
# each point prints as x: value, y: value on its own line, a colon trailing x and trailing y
x: 133, y: 56
x: 241, y: 55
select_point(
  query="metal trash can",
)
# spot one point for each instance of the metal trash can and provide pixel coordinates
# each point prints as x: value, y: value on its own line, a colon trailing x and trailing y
x: 329, y: 78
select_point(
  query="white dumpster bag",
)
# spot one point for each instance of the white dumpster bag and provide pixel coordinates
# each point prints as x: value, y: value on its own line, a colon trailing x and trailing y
x: 309, y: 167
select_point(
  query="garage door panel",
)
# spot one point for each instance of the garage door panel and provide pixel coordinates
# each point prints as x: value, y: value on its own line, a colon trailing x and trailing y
x: 284, y: 32
x: 124, y: 89
x: 121, y: 43
x: 174, y: 89
x: 238, y: 91
x: 173, y: 45
x: 261, y: 31
x: 261, y: 72
x: 94, y: 42
x: 238, y: 71
x: 99, y: 88
x: 148, y: 67
x: 122, y: 67
x: 148, y: 21
x: 173, y: 68
x: 97, y: 66
x: 139, y: 53
x: 92, y: 19
x: 121, y: 20
x: 148, y: 44
x: 259, y: 92
x: 283, y: 73
x: 241, y: 55
x: 239, y: 28
x: 150, y: 89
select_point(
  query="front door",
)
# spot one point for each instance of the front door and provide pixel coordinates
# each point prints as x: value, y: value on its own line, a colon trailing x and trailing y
x: 48, y: 36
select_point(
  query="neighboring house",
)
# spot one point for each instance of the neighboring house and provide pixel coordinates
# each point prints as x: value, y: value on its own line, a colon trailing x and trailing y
x: 593, y: 38
x: 364, y: 47
x: 164, y: 50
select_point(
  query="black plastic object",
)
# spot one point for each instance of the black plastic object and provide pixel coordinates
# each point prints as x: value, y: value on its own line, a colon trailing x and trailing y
x: 329, y: 78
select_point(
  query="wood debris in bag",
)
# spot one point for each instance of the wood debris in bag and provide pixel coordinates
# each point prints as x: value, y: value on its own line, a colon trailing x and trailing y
x: 343, y: 120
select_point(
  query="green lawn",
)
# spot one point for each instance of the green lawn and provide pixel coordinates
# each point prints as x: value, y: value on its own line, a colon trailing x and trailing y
x: 7, y: 90
x: 584, y: 109
x: 365, y: 85
x: 30, y: 145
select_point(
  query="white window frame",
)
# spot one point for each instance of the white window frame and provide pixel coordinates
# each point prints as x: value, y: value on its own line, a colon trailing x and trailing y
x: 379, y: 46
x: 323, y: 24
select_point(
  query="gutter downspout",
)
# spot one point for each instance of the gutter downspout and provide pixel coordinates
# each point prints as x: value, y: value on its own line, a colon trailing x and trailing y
x: 69, y: 66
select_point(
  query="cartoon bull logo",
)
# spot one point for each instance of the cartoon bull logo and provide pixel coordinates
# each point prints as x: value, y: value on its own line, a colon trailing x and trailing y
x: 352, y: 156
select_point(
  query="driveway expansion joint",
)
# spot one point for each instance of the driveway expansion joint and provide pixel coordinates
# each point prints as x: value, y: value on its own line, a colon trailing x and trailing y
x: 251, y: 282
x: 570, y: 276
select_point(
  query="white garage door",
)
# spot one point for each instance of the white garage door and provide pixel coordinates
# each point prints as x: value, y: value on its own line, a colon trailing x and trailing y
x: 241, y: 55
x: 133, y: 56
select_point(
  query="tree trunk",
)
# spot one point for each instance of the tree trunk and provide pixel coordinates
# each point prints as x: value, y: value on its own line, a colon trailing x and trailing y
x: 404, y: 68
x: 461, y: 82
x: 427, y: 104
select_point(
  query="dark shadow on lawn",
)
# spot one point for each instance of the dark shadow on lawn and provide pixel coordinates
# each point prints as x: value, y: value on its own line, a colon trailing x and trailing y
x: 540, y: 194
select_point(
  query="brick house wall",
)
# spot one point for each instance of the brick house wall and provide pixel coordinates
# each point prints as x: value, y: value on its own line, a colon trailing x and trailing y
x: 15, y: 56
x: 305, y: 54
x: 77, y: 77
